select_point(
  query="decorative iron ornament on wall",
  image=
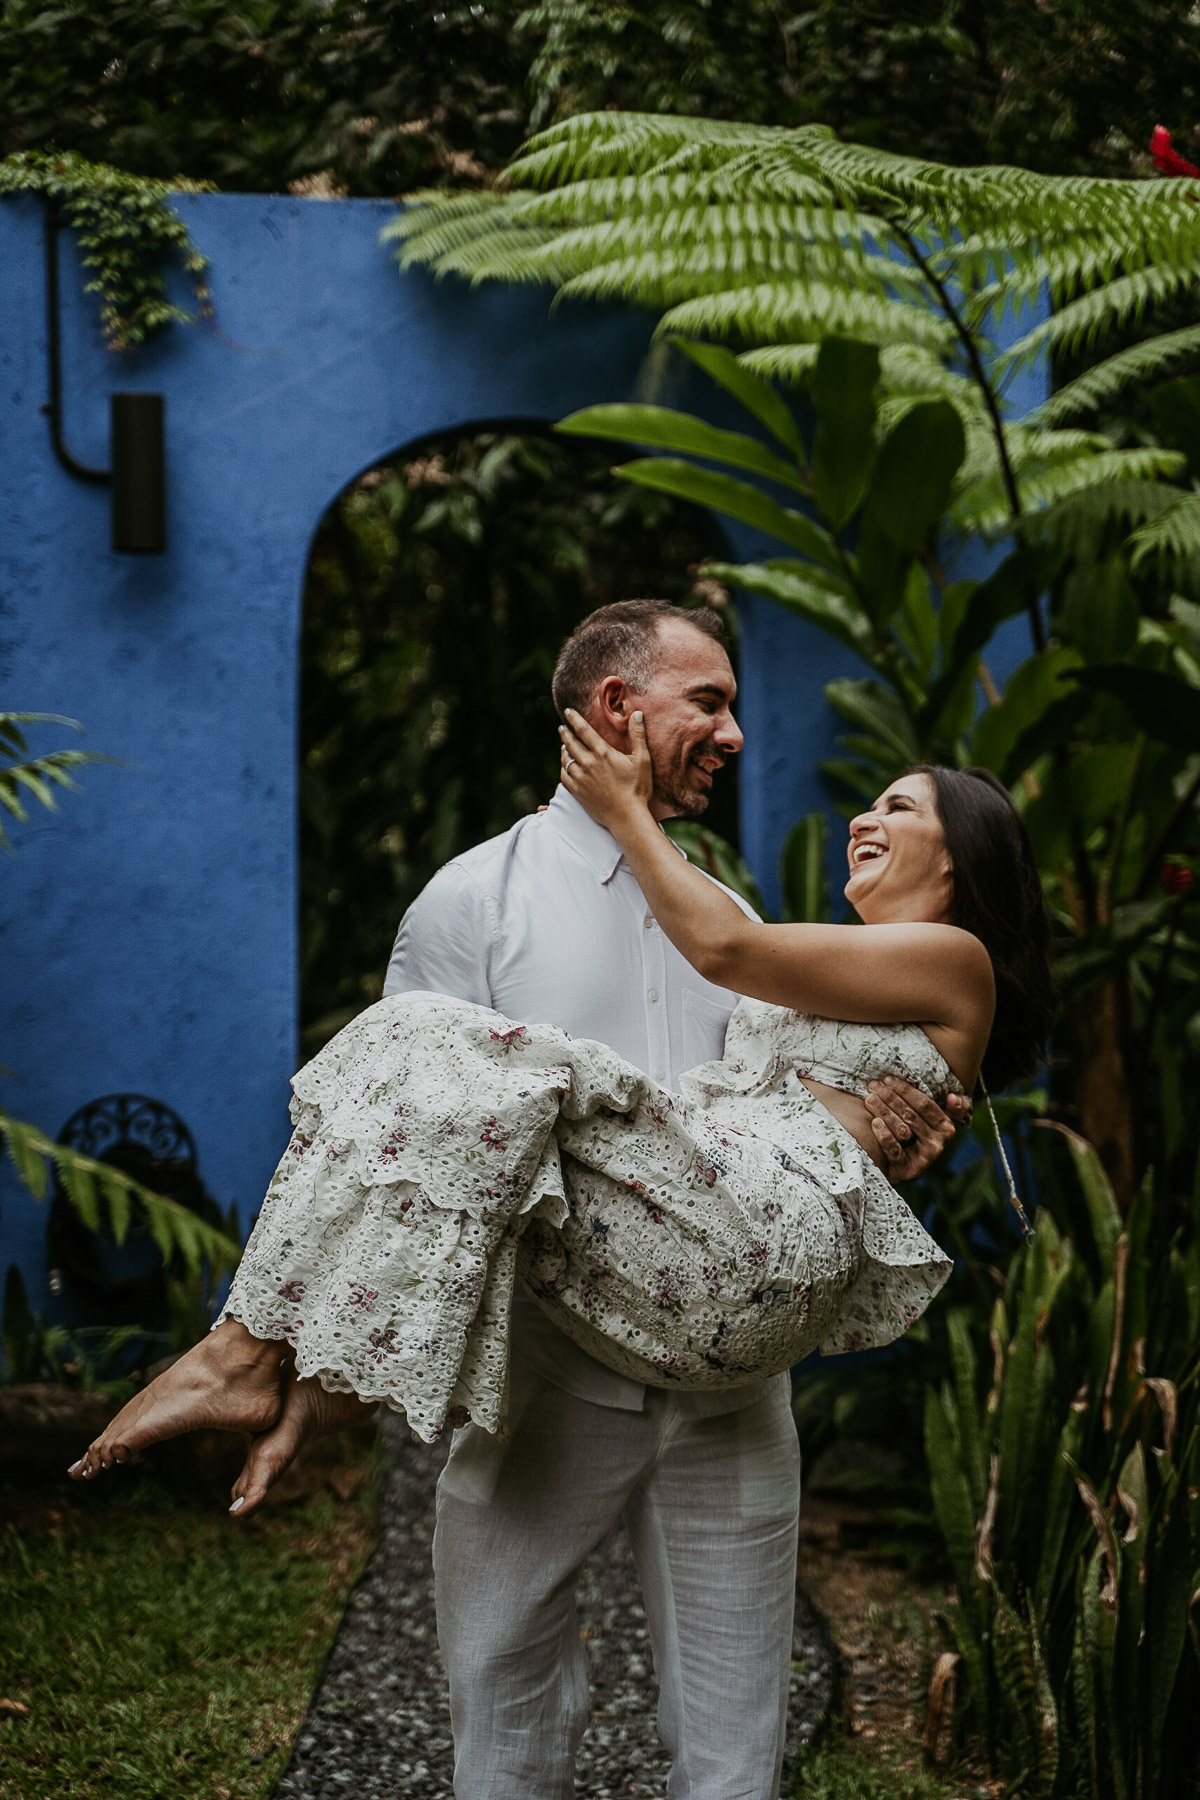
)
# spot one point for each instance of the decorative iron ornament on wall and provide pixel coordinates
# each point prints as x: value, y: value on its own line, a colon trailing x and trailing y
x: 146, y: 1139
x: 118, y: 1119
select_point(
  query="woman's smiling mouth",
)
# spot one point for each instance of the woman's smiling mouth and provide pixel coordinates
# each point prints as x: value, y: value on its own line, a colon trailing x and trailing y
x: 867, y: 851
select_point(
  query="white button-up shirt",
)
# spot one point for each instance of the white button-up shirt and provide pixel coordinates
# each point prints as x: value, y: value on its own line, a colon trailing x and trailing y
x: 547, y: 923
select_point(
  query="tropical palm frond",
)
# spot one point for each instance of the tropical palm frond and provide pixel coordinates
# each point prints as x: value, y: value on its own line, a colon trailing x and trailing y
x: 24, y: 777
x: 96, y: 1189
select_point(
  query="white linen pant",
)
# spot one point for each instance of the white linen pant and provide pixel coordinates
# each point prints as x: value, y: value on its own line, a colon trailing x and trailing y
x: 711, y: 1506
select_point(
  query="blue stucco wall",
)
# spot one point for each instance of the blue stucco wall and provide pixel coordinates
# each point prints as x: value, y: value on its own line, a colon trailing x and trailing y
x: 148, y: 929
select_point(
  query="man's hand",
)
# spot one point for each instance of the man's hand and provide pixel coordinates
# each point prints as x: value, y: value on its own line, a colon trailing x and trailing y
x: 912, y: 1129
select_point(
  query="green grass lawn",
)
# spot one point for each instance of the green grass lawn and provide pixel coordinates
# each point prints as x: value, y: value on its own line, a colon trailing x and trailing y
x: 162, y: 1650
x: 839, y: 1768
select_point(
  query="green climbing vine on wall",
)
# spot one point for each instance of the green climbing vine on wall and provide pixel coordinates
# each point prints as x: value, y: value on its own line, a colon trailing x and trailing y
x: 126, y: 230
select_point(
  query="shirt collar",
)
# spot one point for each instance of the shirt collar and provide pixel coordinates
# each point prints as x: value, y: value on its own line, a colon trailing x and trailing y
x: 597, y: 845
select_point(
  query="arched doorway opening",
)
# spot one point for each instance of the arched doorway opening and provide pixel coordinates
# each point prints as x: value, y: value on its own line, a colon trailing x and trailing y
x: 439, y: 587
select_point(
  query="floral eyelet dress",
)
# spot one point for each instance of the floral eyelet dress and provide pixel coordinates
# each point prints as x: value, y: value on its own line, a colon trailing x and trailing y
x: 708, y: 1238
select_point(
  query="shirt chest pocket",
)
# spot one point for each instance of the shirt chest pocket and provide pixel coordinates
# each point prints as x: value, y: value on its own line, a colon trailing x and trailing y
x: 704, y: 1023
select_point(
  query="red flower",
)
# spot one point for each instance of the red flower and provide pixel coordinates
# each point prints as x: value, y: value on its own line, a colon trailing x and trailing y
x: 1166, y: 160
x: 1176, y: 880
x: 494, y: 1136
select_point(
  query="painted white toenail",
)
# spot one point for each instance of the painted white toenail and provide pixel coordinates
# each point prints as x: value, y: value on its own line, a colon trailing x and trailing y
x: 238, y: 1503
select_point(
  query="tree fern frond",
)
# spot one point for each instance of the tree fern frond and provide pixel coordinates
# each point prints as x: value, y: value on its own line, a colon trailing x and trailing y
x: 1120, y: 303
x: 1173, y: 536
x: 1081, y: 521
x: 438, y: 234
x: 602, y: 143
x: 807, y: 310
x: 665, y: 277
x: 1148, y: 361
x: 784, y: 362
x: 1028, y: 447
x: 986, y: 507
x: 510, y: 256
x: 590, y: 228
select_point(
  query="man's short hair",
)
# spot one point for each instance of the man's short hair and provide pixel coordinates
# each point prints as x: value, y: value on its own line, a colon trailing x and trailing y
x: 622, y: 639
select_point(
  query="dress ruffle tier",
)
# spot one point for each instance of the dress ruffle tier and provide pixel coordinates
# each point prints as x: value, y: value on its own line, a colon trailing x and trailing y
x: 441, y: 1152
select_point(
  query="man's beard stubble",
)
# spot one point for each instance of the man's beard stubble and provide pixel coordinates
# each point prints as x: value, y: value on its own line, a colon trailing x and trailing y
x: 679, y: 801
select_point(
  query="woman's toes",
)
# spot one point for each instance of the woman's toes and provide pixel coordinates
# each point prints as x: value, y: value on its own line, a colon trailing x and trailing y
x: 251, y: 1487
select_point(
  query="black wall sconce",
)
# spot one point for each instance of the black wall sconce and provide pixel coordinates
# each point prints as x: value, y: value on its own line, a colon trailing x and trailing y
x: 137, y: 474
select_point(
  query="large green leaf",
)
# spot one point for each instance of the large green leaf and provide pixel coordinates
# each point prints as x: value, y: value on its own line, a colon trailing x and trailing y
x: 978, y: 612
x: 804, y: 870
x: 843, y: 390
x: 1054, y: 1573
x: 1171, y: 1584
x: 1099, y: 611
x: 1103, y: 1211
x: 909, y: 495
x: 809, y: 591
x: 914, y: 475
x: 717, y: 858
x: 970, y: 1435
x: 1036, y: 709
x: 664, y: 429
x: 704, y: 487
x: 756, y: 395
x: 1133, y: 1494
x: 1164, y: 707
x: 1077, y: 796
x: 951, y: 1491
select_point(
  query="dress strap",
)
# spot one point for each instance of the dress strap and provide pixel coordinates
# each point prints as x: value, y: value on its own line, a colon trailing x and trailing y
x: 1022, y: 1217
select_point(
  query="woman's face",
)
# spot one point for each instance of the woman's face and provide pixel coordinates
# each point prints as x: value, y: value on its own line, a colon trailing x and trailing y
x: 900, y: 868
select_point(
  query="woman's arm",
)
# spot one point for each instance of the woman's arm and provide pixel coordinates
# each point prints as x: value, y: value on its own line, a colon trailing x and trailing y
x: 927, y: 974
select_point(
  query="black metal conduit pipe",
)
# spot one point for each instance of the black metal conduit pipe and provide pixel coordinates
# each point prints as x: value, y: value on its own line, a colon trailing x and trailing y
x: 53, y: 410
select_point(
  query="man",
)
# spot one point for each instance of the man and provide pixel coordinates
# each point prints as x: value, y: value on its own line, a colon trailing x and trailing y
x: 547, y: 923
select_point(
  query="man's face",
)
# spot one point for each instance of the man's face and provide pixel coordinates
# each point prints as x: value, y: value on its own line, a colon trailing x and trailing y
x: 689, y: 726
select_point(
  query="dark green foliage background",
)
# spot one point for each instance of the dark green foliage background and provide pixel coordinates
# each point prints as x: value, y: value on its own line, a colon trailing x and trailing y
x: 439, y: 590
x: 390, y: 94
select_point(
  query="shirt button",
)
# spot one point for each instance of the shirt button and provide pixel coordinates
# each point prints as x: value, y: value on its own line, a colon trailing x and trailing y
x: 660, y: 1074
x: 648, y: 922
x: 653, y: 994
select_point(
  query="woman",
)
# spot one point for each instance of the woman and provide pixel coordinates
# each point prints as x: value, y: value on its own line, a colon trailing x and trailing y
x: 708, y: 1238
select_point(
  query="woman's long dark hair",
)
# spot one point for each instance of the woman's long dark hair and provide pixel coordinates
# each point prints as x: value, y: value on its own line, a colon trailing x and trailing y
x: 998, y: 898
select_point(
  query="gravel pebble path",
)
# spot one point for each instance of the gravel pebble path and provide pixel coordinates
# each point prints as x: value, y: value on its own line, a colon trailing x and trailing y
x: 379, y: 1724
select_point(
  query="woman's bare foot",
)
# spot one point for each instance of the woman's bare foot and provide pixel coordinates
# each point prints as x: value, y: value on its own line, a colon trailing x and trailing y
x: 308, y: 1412
x: 230, y: 1381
